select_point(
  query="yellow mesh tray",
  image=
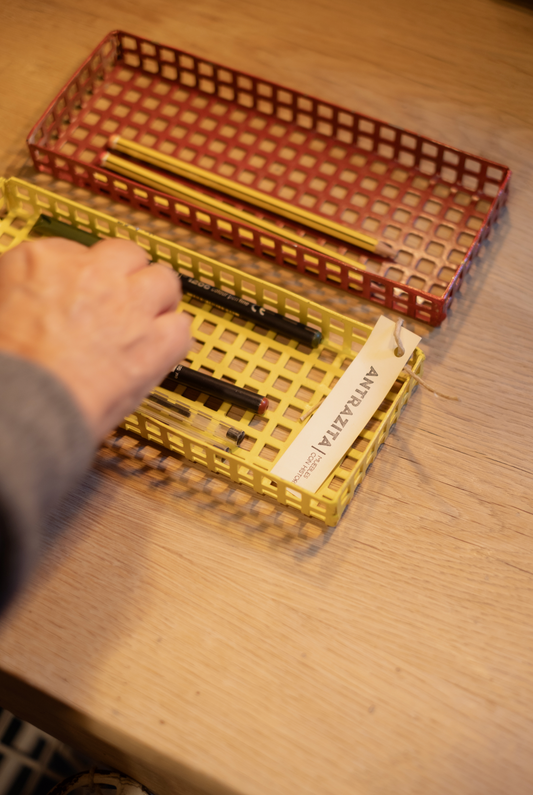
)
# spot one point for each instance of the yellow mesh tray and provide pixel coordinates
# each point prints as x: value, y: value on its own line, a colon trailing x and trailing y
x: 290, y: 374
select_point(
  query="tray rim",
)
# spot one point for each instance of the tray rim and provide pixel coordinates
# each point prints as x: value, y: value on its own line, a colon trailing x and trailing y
x: 439, y: 305
x: 332, y: 505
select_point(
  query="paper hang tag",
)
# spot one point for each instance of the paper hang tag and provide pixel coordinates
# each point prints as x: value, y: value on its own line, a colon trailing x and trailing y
x: 337, y: 423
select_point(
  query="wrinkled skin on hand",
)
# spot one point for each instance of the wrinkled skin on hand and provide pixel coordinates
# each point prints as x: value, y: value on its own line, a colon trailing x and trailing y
x: 101, y: 319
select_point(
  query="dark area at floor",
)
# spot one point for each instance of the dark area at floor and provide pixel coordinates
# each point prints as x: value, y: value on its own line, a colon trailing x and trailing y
x: 31, y: 761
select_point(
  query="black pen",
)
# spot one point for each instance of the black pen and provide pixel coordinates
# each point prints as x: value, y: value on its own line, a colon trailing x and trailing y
x: 250, y: 311
x: 215, y: 387
x: 238, y: 306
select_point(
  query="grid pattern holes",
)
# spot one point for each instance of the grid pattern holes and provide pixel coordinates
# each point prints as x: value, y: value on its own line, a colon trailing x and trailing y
x: 288, y: 145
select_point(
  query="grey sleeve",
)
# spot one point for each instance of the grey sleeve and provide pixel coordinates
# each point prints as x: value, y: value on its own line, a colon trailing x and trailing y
x: 45, y: 446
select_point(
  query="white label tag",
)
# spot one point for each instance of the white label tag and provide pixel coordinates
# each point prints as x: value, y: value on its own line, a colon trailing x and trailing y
x: 337, y: 423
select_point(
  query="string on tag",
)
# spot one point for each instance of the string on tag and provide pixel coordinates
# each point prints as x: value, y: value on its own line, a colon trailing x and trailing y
x: 311, y: 409
x: 419, y: 380
x: 399, y: 351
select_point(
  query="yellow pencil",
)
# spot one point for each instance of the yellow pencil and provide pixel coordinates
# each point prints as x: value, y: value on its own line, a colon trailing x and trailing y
x: 250, y: 195
x: 152, y: 179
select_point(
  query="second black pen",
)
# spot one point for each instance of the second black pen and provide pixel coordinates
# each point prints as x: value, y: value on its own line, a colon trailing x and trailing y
x: 186, y: 376
x: 254, y: 312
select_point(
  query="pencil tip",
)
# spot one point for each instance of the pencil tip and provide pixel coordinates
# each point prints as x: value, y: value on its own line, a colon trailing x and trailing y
x: 385, y: 250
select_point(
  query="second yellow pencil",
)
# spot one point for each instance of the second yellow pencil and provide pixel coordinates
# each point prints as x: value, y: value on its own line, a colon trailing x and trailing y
x: 152, y: 179
x: 244, y: 193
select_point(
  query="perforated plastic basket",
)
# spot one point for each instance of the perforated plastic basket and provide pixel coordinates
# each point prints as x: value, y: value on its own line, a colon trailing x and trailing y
x: 291, y: 375
x: 435, y: 204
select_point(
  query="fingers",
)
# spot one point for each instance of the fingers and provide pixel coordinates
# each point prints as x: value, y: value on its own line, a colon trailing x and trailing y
x: 28, y: 255
x: 98, y: 318
x: 50, y: 245
x: 156, y: 289
x: 169, y: 342
x: 120, y: 254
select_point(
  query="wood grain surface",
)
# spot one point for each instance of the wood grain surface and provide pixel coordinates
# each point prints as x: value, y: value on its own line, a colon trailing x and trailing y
x: 199, y: 639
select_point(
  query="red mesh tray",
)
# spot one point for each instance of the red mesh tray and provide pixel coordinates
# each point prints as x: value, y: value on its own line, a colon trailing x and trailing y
x: 435, y: 204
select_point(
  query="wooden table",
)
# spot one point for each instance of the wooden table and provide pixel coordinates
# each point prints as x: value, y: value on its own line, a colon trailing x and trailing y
x: 190, y: 639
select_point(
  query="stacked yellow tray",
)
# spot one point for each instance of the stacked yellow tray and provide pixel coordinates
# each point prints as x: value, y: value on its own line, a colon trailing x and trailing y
x: 290, y: 374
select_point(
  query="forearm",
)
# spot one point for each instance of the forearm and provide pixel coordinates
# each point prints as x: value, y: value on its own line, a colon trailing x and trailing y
x: 95, y: 330
x: 46, y: 445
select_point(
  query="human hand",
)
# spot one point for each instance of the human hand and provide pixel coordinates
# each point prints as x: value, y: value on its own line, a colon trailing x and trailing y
x: 100, y: 319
